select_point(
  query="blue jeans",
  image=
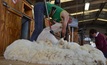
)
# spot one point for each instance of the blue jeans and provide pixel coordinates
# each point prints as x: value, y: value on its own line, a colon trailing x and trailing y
x: 39, y: 10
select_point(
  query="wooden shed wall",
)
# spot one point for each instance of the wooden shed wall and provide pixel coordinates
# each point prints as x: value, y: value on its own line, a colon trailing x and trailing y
x: 1, y: 28
x: 10, y: 24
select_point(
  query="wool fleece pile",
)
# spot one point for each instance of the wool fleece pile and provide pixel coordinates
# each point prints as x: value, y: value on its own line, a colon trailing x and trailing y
x: 63, y: 53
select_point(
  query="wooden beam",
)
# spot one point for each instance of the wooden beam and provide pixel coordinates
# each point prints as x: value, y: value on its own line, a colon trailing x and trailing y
x: 81, y: 5
x: 99, y: 12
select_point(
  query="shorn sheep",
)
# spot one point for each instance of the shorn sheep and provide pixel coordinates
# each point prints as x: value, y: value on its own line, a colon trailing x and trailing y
x: 46, y: 35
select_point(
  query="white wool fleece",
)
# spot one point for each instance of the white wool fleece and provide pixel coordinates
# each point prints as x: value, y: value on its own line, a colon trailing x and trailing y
x: 44, y: 52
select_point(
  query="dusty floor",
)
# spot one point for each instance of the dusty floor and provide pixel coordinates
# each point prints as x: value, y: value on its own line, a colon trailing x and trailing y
x: 10, y: 62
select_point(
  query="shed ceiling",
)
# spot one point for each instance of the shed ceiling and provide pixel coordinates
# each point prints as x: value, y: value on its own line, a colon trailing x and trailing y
x: 96, y: 15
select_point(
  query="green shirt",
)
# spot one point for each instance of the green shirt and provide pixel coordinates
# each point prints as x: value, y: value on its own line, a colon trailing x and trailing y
x: 56, y: 16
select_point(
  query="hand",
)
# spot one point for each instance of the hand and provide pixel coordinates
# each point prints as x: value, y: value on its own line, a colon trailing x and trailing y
x: 63, y: 33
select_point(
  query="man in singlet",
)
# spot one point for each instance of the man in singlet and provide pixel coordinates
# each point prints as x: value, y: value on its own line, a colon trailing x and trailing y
x: 55, y: 12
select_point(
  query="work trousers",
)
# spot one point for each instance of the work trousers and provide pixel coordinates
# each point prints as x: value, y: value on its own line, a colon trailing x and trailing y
x: 39, y: 10
x: 105, y: 54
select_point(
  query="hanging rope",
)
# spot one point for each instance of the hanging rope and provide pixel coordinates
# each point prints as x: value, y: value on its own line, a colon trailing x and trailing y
x: 76, y: 8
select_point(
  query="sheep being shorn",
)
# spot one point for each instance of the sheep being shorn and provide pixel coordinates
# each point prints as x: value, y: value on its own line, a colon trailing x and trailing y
x: 44, y: 52
x: 46, y: 35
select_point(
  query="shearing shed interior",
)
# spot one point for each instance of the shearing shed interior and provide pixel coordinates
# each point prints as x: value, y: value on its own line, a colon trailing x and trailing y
x: 83, y: 43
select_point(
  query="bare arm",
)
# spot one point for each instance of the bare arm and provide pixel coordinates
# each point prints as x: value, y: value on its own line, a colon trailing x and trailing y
x: 65, y: 19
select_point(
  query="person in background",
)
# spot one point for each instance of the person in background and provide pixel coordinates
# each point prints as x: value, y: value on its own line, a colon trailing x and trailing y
x: 105, y: 35
x: 100, y: 41
x: 55, y: 12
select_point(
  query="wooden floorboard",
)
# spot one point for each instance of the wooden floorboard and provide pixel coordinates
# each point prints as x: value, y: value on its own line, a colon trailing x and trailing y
x: 10, y: 62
